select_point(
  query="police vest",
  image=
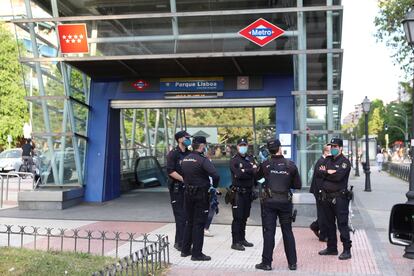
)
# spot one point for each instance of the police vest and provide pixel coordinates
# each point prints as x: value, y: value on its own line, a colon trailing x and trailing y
x: 279, y: 176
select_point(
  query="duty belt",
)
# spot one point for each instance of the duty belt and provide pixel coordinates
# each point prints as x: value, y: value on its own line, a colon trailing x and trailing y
x: 242, y: 190
x: 334, y: 194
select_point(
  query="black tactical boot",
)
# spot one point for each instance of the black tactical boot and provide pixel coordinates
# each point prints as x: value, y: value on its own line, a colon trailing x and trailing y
x: 263, y: 266
x: 185, y: 254
x: 246, y: 243
x: 345, y: 255
x: 293, y: 266
x: 177, y: 246
x: 237, y: 246
x: 202, y: 257
x: 328, y: 252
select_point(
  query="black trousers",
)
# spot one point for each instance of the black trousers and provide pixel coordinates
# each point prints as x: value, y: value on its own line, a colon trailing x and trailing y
x: 319, y: 224
x: 241, y: 211
x: 196, y: 207
x: 177, y: 203
x: 339, y: 212
x: 272, y: 210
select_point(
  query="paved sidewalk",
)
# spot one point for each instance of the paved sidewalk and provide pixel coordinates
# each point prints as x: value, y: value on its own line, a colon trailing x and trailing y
x: 372, y: 253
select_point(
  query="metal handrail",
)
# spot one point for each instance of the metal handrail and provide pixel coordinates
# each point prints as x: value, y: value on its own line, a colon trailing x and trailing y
x: 19, y: 178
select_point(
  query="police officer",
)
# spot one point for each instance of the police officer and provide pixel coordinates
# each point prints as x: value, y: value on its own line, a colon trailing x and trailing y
x: 176, y: 185
x: 197, y: 169
x: 281, y: 176
x: 319, y: 226
x: 243, y: 171
x: 335, y: 199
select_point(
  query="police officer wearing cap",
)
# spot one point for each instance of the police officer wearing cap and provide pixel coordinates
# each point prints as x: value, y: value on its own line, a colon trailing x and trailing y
x: 176, y: 184
x: 280, y: 176
x: 197, y: 169
x: 335, y: 199
x: 243, y: 171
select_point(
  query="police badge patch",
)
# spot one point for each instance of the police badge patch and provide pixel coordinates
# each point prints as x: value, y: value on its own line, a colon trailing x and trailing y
x: 344, y: 165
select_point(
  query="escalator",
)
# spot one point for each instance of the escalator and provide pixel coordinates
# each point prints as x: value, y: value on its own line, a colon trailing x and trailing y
x: 149, y: 173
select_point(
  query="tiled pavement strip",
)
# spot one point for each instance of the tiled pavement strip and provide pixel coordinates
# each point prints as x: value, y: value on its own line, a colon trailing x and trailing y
x: 372, y: 253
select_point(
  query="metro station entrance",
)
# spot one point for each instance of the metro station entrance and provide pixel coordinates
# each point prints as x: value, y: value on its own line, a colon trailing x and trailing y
x: 147, y: 135
x: 137, y: 119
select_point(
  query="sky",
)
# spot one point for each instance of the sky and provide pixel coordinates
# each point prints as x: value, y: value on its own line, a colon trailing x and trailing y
x: 367, y: 66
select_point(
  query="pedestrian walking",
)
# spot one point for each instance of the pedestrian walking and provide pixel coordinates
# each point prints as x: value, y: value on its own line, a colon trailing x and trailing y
x: 281, y: 175
x: 197, y: 169
x: 335, y: 199
x: 380, y: 160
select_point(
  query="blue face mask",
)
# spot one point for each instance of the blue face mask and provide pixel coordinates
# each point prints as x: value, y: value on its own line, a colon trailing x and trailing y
x: 187, y: 142
x: 334, y: 152
x: 243, y: 150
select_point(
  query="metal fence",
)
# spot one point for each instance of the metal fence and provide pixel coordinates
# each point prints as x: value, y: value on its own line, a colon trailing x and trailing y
x: 153, y: 253
x: 143, y: 262
x: 5, y: 183
x: 399, y: 170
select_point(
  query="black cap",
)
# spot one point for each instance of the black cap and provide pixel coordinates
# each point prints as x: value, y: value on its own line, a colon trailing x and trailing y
x: 242, y: 141
x: 199, y: 140
x: 181, y: 134
x: 273, y: 143
x: 336, y: 141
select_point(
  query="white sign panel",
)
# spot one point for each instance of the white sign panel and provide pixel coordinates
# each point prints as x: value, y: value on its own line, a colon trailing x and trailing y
x: 285, y: 139
x: 287, y: 152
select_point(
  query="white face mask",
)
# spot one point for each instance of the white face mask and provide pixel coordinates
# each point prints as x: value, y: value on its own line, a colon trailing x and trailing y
x: 243, y: 150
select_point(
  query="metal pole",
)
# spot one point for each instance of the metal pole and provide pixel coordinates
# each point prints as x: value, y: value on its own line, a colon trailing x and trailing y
x: 356, y: 153
x: 352, y: 151
x: 367, y: 170
x: 410, y: 193
x: 254, y: 131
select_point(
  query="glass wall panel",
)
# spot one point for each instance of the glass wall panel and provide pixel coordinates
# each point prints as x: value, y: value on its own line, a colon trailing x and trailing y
x: 57, y: 165
x: 56, y: 119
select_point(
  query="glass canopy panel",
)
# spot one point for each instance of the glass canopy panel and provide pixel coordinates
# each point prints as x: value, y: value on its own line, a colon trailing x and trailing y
x: 87, y: 7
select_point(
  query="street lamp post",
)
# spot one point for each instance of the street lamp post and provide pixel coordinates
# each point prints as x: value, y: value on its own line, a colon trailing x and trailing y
x: 366, y: 105
x: 408, y: 24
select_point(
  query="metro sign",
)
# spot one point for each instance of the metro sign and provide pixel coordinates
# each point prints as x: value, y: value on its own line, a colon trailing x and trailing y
x: 140, y: 85
x: 73, y: 38
x: 261, y: 32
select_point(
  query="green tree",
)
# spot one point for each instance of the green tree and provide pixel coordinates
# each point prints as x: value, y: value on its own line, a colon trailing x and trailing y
x: 13, y: 107
x: 390, y: 31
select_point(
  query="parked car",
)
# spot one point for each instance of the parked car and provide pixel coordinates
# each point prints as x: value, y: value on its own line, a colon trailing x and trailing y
x: 10, y: 160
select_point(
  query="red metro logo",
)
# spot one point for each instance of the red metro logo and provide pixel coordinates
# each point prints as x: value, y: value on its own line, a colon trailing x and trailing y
x: 261, y: 32
x: 140, y: 85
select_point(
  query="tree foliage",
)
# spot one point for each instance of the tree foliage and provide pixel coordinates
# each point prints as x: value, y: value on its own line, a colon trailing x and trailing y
x: 390, y: 31
x: 13, y: 107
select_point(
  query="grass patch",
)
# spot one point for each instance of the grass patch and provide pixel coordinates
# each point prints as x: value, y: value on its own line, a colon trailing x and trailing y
x: 16, y: 261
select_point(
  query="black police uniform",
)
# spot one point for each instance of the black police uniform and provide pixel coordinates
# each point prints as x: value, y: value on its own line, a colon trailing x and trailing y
x: 243, y: 179
x: 335, y: 202
x: 196, y: 170
x: 319, y: 226
x: 280, y: 175
x: 176, y: 188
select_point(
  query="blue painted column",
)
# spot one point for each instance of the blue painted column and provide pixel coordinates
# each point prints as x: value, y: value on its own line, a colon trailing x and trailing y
x: 285, y: 119
x: 103, y: 154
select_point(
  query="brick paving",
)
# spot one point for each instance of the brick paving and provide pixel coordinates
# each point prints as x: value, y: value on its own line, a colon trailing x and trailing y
x: 372, y: 253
